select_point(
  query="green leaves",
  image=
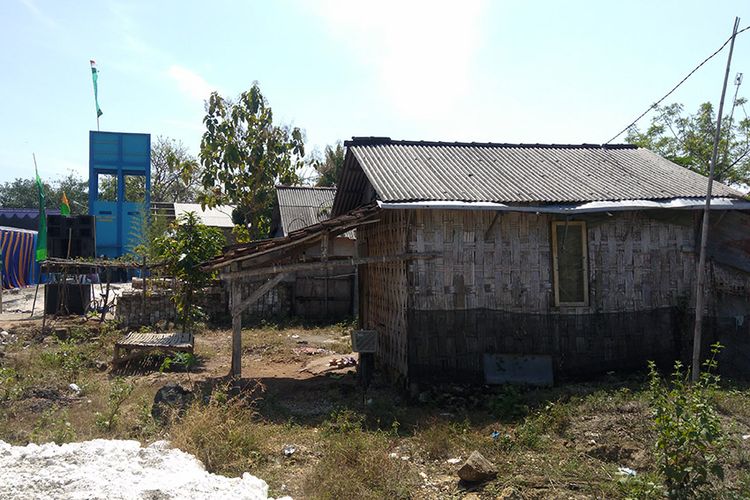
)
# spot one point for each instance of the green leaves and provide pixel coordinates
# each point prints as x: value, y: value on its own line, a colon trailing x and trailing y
x: 244, y: 155
x: 689, y: 444
x: 688, y: 140
x: 188, y: 244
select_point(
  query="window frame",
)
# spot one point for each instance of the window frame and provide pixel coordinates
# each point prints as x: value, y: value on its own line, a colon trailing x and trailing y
x: 556, y: 263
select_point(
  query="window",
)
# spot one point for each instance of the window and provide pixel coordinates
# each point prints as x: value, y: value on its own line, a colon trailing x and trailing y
x: 107, y: 184
x: 570, y: 263
x: 135, y: 188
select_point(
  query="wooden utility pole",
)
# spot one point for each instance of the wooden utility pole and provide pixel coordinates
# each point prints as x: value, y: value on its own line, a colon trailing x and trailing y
x: 700, y: 285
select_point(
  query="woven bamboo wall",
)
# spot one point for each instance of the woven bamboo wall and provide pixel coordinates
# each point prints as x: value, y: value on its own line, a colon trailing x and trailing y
x: 637, y: 261
x: 384, y: 289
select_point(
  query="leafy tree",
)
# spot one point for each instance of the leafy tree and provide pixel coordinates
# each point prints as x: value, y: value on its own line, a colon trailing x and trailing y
x: 330, y: 166
x: 175, y: 173
x: 244, y: 154
x: 688, y: 140
x: 22, y: 193
x: 76, y: 190
x: 186, y: 245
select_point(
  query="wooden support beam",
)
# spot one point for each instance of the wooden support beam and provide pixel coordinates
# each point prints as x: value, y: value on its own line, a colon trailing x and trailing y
x: 236, y: 368
x: 309, y: 266
x: 238, y: 305
x: 242, y: 304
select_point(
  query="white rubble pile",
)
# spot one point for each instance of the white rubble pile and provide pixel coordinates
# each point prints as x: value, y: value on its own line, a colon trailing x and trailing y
x: 115, y: 469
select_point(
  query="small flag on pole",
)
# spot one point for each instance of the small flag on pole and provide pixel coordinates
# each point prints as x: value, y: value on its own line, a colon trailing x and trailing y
x: 95, y: 77
x: 41, y: 239
x: 64, y: 205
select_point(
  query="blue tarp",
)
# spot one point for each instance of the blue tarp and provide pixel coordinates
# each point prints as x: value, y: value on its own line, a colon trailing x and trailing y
x: 17, y: 250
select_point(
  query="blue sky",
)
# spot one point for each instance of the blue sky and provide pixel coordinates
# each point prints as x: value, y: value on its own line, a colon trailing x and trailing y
x: 501, y: 71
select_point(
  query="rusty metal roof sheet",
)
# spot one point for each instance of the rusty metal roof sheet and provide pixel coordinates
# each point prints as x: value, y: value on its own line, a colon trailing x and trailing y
x: 401, y: 171
x: 302, y: 206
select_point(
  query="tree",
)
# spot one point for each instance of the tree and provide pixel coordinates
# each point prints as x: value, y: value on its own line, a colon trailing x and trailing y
x: 330, y: 166
x: 182, y: 249
x: 688, y: 140
x: 76, y: 190
x: 22, y: 193
x: 175, y: 173
x: 244, y: 155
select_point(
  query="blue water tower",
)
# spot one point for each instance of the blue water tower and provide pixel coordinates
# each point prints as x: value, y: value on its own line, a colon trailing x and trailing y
x: 119, y: 189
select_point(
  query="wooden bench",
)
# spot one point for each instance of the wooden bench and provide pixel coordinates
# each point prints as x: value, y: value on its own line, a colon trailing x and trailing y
x: 134, y: 345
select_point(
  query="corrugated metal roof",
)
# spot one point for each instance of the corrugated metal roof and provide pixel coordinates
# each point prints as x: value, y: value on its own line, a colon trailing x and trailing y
x: 514, y: 173
x: 302, y: 206
x: 220, y: 216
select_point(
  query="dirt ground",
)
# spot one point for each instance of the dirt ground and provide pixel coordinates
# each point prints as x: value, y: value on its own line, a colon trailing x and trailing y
x: 583, y: 440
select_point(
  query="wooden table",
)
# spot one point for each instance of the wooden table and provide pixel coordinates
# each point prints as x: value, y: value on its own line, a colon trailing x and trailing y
x: 135, y: 344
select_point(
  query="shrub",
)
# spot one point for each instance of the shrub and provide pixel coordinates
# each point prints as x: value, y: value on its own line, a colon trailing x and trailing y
x: 221, y: 434
x: 119, y: 391
x: 53, y: 426
x: 689, y: 436
x: 10, y: 388
x: 509, y: 404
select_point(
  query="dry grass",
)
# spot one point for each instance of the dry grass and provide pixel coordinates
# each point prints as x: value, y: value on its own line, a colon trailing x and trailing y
x: 222, y: 434
x: 564, y: 442
x: 356, y: 463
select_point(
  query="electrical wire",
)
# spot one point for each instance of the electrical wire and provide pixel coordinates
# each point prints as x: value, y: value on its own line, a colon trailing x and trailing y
x: 654, y: 105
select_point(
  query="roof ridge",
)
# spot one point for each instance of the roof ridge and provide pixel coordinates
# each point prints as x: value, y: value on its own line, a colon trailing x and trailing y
x: 384, y: 141
x: 281, y: 186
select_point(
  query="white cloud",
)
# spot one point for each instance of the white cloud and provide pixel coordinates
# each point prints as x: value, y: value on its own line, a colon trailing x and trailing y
x: 423, y: 52
x: 190, y: 83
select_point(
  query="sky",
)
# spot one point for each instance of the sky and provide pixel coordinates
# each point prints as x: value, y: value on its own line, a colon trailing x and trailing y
x: 470, y: 70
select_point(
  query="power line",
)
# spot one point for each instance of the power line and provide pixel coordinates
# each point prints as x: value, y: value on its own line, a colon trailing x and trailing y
x: 675, y: 87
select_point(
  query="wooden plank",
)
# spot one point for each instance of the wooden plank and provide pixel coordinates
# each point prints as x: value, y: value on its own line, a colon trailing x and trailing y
x: 306, y: 266
x: 239, y: 304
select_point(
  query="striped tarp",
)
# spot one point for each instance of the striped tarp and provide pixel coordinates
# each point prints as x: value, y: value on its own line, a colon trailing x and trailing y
x: 17, y: 247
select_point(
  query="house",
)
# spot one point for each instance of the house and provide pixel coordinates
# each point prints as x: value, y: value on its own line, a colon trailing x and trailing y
x: 318, y: 295
x: 582, y: 257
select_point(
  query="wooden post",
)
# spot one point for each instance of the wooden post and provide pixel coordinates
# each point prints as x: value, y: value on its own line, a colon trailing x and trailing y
x: 235, y: 299
x: 701, y: 278
x: 143, y: 283
x: 106, y: 298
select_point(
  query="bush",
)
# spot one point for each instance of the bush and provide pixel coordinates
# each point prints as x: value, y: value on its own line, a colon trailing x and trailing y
x: 118, y: 393
x: 689, y: 435
x: 355, y: 463
x: 222, y: 434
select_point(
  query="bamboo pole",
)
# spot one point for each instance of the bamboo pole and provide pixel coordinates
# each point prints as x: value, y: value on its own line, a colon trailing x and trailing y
x: 700, y: 282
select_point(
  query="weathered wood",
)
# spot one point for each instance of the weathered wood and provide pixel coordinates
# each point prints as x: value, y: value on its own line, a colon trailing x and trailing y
x: 236, y: 367
x: 242, y: 304
x: 330, y: 264
x: 138, y: 344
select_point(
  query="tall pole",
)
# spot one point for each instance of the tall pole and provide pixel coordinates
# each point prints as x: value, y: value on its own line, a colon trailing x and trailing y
x: 700, y: 285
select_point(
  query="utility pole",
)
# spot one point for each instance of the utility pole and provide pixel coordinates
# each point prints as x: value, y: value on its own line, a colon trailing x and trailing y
x: 700, y: 285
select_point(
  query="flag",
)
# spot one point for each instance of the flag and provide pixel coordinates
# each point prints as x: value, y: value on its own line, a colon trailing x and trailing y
x: 64, y: 205
x: 41, y: 239
x: 95, y: 77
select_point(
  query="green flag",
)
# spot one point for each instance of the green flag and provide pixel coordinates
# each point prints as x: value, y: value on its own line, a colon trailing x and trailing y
x: 41, y: 239
x: 95, y: 77
x: 64, y: 205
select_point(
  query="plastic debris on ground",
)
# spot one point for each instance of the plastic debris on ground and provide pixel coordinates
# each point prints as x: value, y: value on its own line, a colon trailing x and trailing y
x: 289, y: 450
x: 626, y: 471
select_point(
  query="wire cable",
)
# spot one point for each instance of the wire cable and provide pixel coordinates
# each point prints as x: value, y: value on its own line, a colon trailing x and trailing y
x: 654, y: 105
